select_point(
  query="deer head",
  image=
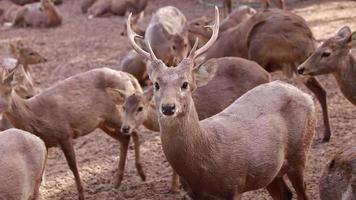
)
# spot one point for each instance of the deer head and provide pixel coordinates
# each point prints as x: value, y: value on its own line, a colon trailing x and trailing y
x: 330, y: 55
x: 173, y: 87
x: 25, y: 55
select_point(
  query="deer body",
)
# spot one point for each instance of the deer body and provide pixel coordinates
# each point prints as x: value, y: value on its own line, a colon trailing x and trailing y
x: 251, y: 144
x: 134, y: 64
x: 81, y: 103
x: 229, y: 139
x: 23, y: 157
x: 334, y: 57
x: 291, y: 40
x: 167, y: 35
x: 42, y: 14
x: 338, y: 180
x: 97, y: 8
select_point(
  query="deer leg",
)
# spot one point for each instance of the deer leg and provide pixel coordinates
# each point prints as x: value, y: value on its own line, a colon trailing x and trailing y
x: 279, y: 190
x: 137, y: 155
x: 68, y: 150
x: 313, y: 84
x: 296, y: 177
x: 175, y: 182
x: 124, y: 145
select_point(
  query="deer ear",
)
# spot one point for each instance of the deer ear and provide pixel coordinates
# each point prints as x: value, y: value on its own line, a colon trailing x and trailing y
x: 8, y: 78
x: 148, y: 93
x: 353, y: 40
x: 13, y: 49
x: 118, y: 96
x: 205, y: 72
x: 343, y: 35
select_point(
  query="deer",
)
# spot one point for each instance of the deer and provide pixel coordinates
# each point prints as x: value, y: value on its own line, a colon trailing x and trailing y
x: 22, y: 164
x: 41, y: 14
x: 254, y: 38
x: 334, y: 57
x: 234, y: 77
x: 198, y: 27
x: 338, y: 180
x: 81, y: 103
x: 23, y: 2
x: 227, y: 5
x: 98, y: 8
x: 167, y: 34
x: 251, y: 144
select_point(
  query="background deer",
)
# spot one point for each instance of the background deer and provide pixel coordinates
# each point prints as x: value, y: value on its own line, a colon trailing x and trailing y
x: 221, y: 156
x: 81, y: 103
x: 23, y: 2
x: 254, y: 38
x: 134, y: 64
x: 167, y: 35
x: 97, y: 8
x: 22, y: 163
x: 334, y: 57
x: 42, y: 14
x: 339, y: 177
x: 198, y: 27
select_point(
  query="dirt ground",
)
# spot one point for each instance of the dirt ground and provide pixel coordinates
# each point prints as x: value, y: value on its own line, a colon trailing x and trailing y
x: 81, y: 44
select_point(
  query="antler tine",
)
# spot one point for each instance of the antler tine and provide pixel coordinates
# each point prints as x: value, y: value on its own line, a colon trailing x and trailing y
x: 131, y: 35
x: 194, y: 54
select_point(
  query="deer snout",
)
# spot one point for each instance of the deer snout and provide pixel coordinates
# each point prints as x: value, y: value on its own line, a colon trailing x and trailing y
x: 125, y: 130
x: 301, y: 69
x: 168, y: 109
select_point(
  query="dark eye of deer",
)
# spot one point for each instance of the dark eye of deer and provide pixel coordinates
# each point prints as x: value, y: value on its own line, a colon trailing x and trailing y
x: 31, y: 54
x: 325, y: 54
x: 185, y: 85
x: 139, y: 109
x: 174, y: 47
x: 197, y: 24
x: 156, y: 86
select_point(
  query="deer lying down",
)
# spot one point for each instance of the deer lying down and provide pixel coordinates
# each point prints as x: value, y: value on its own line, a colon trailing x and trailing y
x: 81, y: 103
x: 42, y: 14
x: 234, y: 77
x: 167, y: 34
x: 334, y: 57
x: 22, y: 163
x: 339, y: 178
x: 251, y: 144
x: 97, y: 8
x: 23, y: 2
x: 291, y: 40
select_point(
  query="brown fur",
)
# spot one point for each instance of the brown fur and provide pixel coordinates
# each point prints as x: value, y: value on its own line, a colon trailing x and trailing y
x: 167, y: 35
x: 42, y: 14
x: 97, y: 8
x: 134, y: 64
x: 334, y: 57
x: 81, y: 103
x: 23, y: 2
x: 22, y: 163
x: 251, y: 144
x: 339, y: 178
x: 291, y: 40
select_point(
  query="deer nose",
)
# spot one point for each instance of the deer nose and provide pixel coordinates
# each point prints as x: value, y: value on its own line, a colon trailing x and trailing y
x: 300, y: 70
x: 125, y: 129
x: 168, y: 109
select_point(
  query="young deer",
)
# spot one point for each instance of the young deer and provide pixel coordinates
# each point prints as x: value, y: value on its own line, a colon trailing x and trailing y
x: 334, y: 56
x: 42, y: 14
x: 81, y: 103
x: 22, y: 163
x: 339, y: 178
x: 251, y: 144
x: 97, y: 8
x: 167, y: 34
x: 291, y: 40
x: 25, y: 56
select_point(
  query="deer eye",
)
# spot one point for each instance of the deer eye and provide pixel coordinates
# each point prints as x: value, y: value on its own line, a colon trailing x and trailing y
x: 325, y: 54
x: 174, y: 47
x: 31, y: 54
x: 156, y: 86
x: 139, y: 109
x: 184, y: 85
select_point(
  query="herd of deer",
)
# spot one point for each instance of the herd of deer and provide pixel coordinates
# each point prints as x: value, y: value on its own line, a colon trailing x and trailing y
x: 225, y: 127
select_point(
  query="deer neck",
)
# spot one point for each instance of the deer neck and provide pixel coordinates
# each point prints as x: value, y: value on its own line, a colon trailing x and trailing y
x: 185, y: 142
x: 19, y: 112
x: 345, y: 76
x: 151, y: 122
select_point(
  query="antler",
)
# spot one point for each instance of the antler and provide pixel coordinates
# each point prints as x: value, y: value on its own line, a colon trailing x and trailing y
x: 131, y: 35
x: 215, y: 27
